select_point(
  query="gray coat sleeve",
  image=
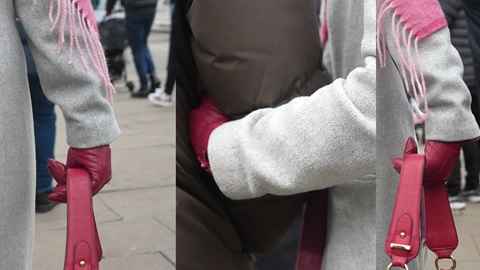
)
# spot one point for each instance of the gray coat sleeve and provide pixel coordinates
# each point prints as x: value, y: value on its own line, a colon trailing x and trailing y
x: 76, y: 87
x: 309, y: 143
x: 449, y: 115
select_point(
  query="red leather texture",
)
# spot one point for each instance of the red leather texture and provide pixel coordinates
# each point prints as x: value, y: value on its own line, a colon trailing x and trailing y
x: 440, y: 160
x: 201, y: 123
x: 83, y: 250
x: 405, y: 223
x: 314, y: 232
x: 430, y: 171
x: 97, y: 161
x: 441, y: 232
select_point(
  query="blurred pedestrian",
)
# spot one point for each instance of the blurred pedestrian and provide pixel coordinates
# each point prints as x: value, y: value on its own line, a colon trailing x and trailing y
x: 455, y: 16
x: 472, y: 12
x: 44, y: 118
x: 138, y: 22
x: 73, y: 74
x: 418, y: 116
x: 95, y: 4
x: 163, y: 97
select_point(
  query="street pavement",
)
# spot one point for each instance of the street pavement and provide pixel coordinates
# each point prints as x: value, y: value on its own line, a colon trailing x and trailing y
x: 135, y: 212
x: 467, y: 253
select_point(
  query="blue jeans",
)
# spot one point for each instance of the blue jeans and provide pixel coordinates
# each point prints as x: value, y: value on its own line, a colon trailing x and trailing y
x: 138, y: 28
x: 44, y: 127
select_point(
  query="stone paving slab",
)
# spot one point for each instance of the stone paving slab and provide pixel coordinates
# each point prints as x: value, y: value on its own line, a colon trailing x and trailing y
x: 139, y: 262
x: 135, y: 236
x: 154, y: 163
x: 467, y: 253
x: 156, y: 202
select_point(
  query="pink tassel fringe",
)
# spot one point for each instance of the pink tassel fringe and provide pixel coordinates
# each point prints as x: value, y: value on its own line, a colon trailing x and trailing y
x: 324, y: 25
x: 73, y: 13
x: 412, y: 20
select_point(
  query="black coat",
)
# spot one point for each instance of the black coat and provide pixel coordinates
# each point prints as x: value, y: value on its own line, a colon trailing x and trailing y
x: 472, y: 10
x: 457, y: 23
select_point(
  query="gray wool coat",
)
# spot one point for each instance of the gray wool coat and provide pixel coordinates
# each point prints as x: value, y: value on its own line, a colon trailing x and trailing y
x: 325, y: 140
x: 80, y: 94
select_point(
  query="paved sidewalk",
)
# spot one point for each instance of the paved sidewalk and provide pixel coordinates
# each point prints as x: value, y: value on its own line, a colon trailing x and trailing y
x: 136, y: 211
x: 467, y: 253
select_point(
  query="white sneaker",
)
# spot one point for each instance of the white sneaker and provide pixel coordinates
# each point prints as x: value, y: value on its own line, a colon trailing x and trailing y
x: 160, y: 98
x: 472, y: 196
x: 456, y: 202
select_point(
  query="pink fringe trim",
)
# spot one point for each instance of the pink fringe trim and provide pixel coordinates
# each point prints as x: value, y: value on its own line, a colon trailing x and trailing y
x: 78, y: 16
x: 324, y: 25
x: 408, y: 29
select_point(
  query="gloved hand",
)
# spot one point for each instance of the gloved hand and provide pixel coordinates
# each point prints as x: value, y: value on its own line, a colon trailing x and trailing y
x: 201, y: 123
x: 440, y: 159
x: 97, y: 161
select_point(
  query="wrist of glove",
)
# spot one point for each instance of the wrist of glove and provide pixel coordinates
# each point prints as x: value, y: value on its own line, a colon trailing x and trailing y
x: 201, y: 123
x: 97, y: 161
x: 440, y: 159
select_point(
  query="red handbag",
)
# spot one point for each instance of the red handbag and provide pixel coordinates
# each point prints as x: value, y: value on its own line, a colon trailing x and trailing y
x: 83, y: 250
x: 403, y: 238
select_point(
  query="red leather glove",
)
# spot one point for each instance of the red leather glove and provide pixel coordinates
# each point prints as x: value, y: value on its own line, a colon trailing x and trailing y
x: 97, y: 161
x: 201, y: 123
x: 440, y: 159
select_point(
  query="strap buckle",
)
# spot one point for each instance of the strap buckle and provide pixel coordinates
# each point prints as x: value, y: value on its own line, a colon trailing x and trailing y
x: 391, y: 265
x: 454, y: 263
x: 400, y: 246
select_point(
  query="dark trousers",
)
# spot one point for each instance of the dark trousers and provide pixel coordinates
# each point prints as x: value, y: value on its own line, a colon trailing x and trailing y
x: 44, y: 118
x: 472, y: 158
x: 172, y: 58
x: 472, y: 11
x: 138, y: 26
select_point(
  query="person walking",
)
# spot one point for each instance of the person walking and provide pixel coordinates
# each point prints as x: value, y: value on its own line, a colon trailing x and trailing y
x: 472, y: 12
x: 457, y: 23
x: 138, y: 22
x: 73, y: 74
x: 163, y: 97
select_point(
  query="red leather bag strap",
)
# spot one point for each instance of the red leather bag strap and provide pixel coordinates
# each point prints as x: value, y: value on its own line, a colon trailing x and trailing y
x: 442, y: 236
x: 403, y: 237
x: 83, y: 251
x: 314, y: 232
